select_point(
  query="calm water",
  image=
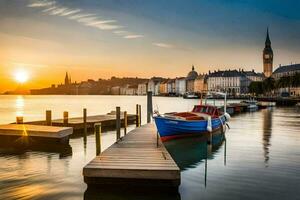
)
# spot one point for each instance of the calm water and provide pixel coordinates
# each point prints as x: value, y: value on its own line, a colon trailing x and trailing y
x: 260, y: 158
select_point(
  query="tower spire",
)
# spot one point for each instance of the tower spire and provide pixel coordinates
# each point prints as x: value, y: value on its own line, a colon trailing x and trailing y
x: 67, y: 79
x: 268, y: 41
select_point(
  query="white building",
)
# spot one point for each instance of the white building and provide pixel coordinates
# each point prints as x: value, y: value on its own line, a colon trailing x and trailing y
x: 171, y: 86
x: 180, y: 86
x: 142, y: 89
x: 231, y: 81
x: 154, y: 84
x: 287, y: 70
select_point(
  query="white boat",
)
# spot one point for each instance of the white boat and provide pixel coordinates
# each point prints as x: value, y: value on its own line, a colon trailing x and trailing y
x: 251, y: 104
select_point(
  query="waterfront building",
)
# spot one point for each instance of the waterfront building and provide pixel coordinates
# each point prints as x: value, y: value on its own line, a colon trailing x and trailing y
x: 254, y: 76
x: 142, y: 89
x: 154, y: 85
x: 287, y: 70
x: 268, y: 57
x: 200, y: 84
x: 180, y: 86
x: 163, y: 87
x: 284, y: 71
x: 115, y: 90
x: 231, y: 81
x: 131, y: 90
x: 190, y: 79
x: 171, y: 87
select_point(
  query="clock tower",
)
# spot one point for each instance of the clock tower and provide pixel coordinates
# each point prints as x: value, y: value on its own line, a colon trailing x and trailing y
x: 268, y: 57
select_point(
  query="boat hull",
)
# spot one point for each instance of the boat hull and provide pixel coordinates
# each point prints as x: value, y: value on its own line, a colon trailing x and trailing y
x: 169, y: 128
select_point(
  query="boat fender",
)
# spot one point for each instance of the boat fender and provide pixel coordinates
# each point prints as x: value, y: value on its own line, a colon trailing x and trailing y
x: 227, y: 116
x: 209, y: 126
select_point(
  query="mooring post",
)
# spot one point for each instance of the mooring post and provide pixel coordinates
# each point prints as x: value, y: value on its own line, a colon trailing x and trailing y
x: 125, y: 122
x: 157, y: 139
x: 98, y: 138
x: 19, y: 120
x: 48, y: 118
x: 66, y: 118
x: 84, y: 122
x: 137, y: 115
x: 140, y: 115
x: 149, y: 106
x: 118, y: 123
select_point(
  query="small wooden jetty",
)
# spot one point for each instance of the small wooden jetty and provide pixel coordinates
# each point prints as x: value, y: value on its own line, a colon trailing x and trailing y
x: 34, y: 133
x: 138, y: 159
x: 78, y: 123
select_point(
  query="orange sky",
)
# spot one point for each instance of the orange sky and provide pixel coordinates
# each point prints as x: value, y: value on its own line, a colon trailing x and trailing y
x: 99, y: 40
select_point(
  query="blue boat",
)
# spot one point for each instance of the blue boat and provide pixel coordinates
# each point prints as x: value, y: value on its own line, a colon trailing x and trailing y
x: 203, y: 119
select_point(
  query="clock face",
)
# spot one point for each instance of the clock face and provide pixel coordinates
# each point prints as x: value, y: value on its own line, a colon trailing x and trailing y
x: 267, y: 56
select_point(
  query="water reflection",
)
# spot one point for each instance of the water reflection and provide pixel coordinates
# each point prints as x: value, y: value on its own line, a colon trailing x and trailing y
x: 62, y: 150
x: 19, y: 105
x: 267, y: 133
x: 188, y: 152
x: 124, y: 193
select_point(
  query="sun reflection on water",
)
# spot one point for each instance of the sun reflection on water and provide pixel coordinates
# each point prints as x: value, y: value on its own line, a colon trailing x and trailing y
x: 19, y: 106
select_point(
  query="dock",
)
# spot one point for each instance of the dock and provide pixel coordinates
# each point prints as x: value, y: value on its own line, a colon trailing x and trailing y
x: 77, y: 123
x: 138, y: 159
x: 34, y: 133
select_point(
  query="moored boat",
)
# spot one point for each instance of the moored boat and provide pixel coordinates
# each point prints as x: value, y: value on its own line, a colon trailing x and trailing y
x: 251, y: 104
x: 202, y: 119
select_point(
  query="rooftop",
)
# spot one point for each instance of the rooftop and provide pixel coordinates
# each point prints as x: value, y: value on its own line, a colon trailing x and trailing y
x: 287, y: 68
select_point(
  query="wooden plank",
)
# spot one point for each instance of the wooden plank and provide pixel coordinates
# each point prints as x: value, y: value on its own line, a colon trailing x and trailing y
x: 34, y: 130
x: 135, y: 157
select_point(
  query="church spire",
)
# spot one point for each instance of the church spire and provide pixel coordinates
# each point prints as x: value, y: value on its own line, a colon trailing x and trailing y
x: 268, y: 41
x: 67, y: 80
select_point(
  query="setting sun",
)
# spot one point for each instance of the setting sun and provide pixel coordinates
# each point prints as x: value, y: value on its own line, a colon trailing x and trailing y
x: 21, y: 76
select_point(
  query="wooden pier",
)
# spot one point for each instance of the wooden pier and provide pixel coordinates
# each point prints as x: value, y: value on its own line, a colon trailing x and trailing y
x: 138, y: 159
x: 34, y: 133
x: 78, y: 123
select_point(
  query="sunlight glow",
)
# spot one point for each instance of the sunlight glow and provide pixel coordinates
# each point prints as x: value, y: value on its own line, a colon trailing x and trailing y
x: 21, y: 76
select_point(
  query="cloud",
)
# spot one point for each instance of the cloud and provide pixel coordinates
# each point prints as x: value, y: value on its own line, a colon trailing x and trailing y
x: 163, y: 45
x: 133, y: 36
x: 87, y: 19
x: 41, y: 3
x: 121, y: 32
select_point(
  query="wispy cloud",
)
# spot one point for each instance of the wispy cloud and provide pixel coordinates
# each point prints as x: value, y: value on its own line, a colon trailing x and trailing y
x: 133, y: 36
x: 87, y: 19
x: 41, y: 3
x: 121, y: 32
x: 163, y: 45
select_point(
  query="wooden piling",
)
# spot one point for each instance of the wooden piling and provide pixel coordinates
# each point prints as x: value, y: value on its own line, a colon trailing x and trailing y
x: 149, y: 106
x: 140, y: 115
x: 19, y: 120
x: 98, y: 138
x: 118, y: 123
x: 66, y: 118
x: 48, y: 118
x: 125, y: 122
x: 84, y: 122
x: 137, y: 115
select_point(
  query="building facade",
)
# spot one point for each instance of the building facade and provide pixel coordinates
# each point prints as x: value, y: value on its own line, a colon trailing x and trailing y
x: 142, y: 89
x: 190, y: 80
x: 200, y: 84
x: 180, y: 86
x: 154, y: 85
x: 287, y: 70
x: 231, y: 81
